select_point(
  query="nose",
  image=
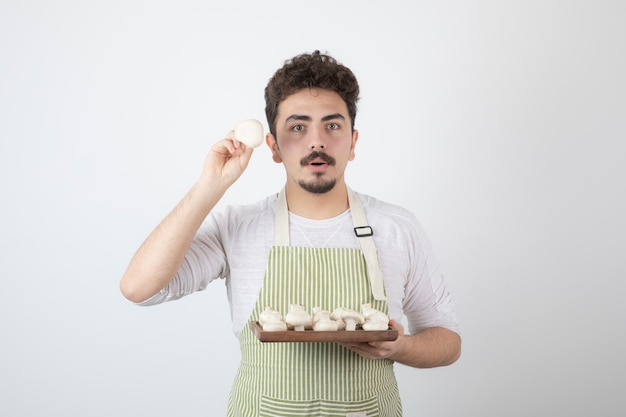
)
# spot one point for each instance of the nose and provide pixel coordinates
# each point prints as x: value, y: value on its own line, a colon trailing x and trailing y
x: 316, y: 139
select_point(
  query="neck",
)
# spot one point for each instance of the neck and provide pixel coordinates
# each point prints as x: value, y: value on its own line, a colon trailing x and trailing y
x: 317, y: 206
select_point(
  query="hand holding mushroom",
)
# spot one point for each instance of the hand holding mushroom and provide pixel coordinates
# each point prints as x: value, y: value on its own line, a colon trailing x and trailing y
x: 249, y: 132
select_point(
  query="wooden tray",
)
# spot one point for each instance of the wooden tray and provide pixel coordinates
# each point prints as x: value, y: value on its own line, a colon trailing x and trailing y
x: 358, y: 335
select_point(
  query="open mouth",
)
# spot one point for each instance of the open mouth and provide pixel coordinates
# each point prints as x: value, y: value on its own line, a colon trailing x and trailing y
x: 317, y: 159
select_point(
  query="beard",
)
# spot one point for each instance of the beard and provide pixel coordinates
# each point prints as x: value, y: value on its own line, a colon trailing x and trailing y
x: 318, y: 186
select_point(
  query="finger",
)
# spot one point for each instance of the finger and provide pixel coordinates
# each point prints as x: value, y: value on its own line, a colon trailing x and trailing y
x: 236, y: 144
x: 396, y: 326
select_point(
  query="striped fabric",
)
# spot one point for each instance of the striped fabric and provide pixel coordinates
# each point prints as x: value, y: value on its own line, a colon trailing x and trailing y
x: 271, y: 407
x: 312, y: 379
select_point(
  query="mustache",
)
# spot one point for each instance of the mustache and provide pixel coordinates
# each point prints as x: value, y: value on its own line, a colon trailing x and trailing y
x: 317, y: 154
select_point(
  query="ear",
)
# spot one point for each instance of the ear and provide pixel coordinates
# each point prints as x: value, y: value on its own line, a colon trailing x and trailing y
x: 270, y: 140
x: 355, y: 137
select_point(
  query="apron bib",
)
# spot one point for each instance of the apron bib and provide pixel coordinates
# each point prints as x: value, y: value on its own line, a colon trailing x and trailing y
x: 312, y: 379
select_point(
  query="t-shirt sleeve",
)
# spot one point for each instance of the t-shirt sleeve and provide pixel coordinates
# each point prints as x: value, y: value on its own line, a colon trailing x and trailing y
x: 415, y: 286
x: 428, y: 301
x: 204, y: 262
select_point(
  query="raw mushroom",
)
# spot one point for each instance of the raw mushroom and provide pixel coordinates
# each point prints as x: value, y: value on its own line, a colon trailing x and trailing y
x: 350, y: 317
x: 298, y: 318
x: 336, y: 315
x: 317, y: 313
x: 322, y: 320
x: 375, y: 325
x: 325, y: 324
x: 370, y: 313
x: 271, y: 320
x: 249, y: 132
x: 275, y: 326
x: 269, y: 314
x: 374, y: 319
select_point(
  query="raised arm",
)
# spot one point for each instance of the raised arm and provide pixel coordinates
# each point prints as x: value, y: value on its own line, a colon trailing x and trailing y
x: 158, y: 259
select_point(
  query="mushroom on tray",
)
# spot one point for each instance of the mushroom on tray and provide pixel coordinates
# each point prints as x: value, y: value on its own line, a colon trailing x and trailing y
x: 374, y: 319
x: 298, y: 318
x: 271, y: 320
x: 322, y: 321
x: 350, y: 318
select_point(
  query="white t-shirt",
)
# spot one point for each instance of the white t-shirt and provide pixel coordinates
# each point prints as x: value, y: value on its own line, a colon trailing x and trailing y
x: 234, y: 242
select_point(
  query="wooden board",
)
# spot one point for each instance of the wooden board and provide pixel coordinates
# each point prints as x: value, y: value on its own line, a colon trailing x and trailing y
x: 358, y: 335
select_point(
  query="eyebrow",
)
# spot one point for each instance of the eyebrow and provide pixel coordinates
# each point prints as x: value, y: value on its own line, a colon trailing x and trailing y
x: 332, y: 117
x: 295, y: 117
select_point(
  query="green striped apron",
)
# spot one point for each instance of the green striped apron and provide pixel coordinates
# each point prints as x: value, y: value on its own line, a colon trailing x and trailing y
x: 312, y: 379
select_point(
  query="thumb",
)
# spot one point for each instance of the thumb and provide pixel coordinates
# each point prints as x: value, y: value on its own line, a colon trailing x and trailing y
x: 396, y: 325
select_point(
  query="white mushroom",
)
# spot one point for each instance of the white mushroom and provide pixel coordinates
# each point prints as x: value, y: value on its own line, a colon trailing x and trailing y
x: 336, y: 315
x: 317, y: 312
x: 375, y: 325
x: 298, y: 318
x: 269, y: 315
x: 370, y: 313
x: 275, y: 326
x: 271, y: 320
x: 322, y: 320
x: 249, y: 132
x: 325, y: 323
x: 374, y: 319
x: 350, y: 317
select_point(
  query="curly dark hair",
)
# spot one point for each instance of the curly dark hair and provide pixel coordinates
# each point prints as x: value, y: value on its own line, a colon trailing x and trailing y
x: 314, y: 70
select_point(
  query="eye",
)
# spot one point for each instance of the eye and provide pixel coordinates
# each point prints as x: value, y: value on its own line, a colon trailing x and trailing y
x: 297, y: 128
x: 332, y: 126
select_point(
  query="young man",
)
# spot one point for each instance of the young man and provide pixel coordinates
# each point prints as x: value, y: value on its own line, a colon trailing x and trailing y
x: 310, y: 244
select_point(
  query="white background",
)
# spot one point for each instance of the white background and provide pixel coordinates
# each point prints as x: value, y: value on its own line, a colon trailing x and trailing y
x: 501, y: 124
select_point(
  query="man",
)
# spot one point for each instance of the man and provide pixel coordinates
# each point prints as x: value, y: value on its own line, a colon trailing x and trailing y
x: 315, y: 243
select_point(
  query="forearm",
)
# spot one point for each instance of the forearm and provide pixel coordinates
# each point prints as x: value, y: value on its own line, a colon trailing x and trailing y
x: 158, y: 259
x: 429, y: 348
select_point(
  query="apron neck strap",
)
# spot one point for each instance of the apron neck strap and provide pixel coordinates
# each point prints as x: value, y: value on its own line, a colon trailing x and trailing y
x: 362, y: 231
x: 282, y: 220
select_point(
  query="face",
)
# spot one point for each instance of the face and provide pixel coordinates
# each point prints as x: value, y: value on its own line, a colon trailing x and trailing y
x: 314, y: 139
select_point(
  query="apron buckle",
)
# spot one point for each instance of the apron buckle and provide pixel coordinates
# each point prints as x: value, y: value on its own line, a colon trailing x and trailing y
x: 363, y: 231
